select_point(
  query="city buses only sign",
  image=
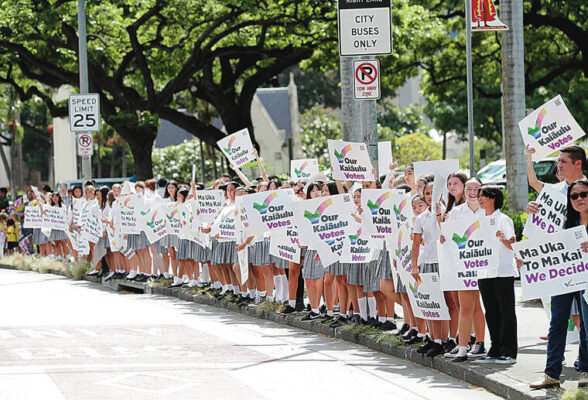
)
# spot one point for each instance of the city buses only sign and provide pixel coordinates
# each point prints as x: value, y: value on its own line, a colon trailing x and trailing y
x: 84, y: 112
x: 364, y: 27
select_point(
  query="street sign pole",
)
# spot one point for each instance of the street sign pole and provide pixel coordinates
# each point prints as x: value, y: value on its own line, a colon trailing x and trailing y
x: 470, y: 90
x: 83, y: 66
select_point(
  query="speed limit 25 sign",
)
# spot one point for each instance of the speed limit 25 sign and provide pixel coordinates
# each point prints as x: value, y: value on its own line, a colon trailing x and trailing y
x: 84, y: 112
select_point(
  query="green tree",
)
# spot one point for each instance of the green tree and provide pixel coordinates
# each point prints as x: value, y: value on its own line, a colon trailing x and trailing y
x: 415, y: 147
x: 403, y: 121
x: 317, y: 125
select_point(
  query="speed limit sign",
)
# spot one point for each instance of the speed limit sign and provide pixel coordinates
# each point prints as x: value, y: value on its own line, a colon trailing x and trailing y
x: 84, y: 112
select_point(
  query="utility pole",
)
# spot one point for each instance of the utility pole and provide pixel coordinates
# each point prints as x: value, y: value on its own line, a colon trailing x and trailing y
x: 83, y: 70
x: 470, y: 90
x: 350, y: 108
x: 513, y: 100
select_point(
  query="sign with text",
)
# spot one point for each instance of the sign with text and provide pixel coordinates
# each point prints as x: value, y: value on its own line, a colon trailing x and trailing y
x: 209, y: 203
x: 549, y: 128
x: 551, y: 215
x: 54, y: 218
x: 367, y: 79
x: 359, y: 248
x: 33, y: 218
x: 377, y: 218
x: 154, y: 222
x: 364, y: 27
x: 284, y: 244
x: 224, y: 226
x: 470, y: 246
x: 426, y: 298
x: 441, y: 169
x: 237, y: 148
x: 84, y: 112
x: 350, y: 161
x: 303, y: 169
x: 85, y: 144
x: 553, y: 264
x: 267, y: 211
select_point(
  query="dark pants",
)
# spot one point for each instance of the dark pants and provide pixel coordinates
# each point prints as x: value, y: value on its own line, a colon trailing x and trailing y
x: 561, y: 307
x: 499, y: 302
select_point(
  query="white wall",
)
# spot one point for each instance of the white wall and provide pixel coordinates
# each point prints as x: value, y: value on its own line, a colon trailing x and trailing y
x: 65, y: 159
x: 270, y: 139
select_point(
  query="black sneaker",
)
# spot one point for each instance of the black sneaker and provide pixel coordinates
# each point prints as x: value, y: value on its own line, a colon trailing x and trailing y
x: 323, y: 309
x: 338, y: 321
x: 356, y: 319
x: 310, y: 316
x: 387, y: 326
x: 299, y: 307
x: 409, y: 335
x: 478, y: 350
x: 336, y: 309
x: 373, y: 322
x: 436, y: 350
x: 288, y: 309
x: 449, y: 345
x: 577, y: 364
x: 472, y: 341
x: 415, y: 340
x: 425, y: 347
x: 308, y: 308
x: 403, y: 330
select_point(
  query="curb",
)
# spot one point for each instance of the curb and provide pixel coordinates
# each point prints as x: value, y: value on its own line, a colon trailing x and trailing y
x: 499, y: 383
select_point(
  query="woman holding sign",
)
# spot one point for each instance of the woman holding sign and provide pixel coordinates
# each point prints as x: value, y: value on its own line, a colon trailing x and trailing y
x: 561, y: 305
x: 469, y: 300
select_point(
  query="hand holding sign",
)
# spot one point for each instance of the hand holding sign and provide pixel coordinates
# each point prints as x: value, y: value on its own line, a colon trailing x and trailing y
x: 238, y: 148
x: 350, y: 161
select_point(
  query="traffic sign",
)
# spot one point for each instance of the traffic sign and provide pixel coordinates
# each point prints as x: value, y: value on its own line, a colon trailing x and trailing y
x: 84, y: 112
x: 364, y: 27
x: 85, y: 144
x: 367, y: 79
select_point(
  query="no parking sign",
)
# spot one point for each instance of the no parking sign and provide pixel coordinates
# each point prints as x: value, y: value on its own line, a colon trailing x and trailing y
x: 367, y: 79
x: 85, y: 144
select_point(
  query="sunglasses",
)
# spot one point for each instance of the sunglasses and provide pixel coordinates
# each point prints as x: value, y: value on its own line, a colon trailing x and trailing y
x: 575, y: 196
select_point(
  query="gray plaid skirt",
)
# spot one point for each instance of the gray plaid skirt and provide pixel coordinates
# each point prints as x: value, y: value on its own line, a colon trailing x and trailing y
x: 355, y: 274
x: 312, y: 269
x: 259, y: 253
x: 384, y: 266
x: 169, y: 240
x: 137, y: 241
x: 202, y: 254
x: 371, y: 280
x: 280, y: 262
x: 57, y: 235
x: 430, y: 268
x: 104, y: 241
x: 186, y: 249
x: 224, y: 253
x: 337, y: 269
x: 38, y: 237
x: 400, y: 288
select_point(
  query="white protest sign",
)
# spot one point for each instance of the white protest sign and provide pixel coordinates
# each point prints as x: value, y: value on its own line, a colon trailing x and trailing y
x: 243, y: 258
x: 33, y: 219
x: 350, y: 161
x: 224, y: 224
x: 359, y: 248
x: 401, y: 207
x: 154, y: 222
x: 186, y: 220
x: 553, y: 263
x: 470, y: 246
x: 441, y: 169
x: 284, y: 244
x: 38, y: 195
x: 401, y: 249
x: 364, y: 27
x: 551, y: 215
x: 377, y: 218
x: 93, y: 227
x: 384, y: 157
x: 426, y: 298
x: 54, y: 218
x: 323, y: 222
x: 303, y: 169
x: 266, y: 211
x: 172, y: 218
x: 549, y: 128
x: 129, y: 208
x: 77, y: 206
x: 209, y: 203
x: 237, y: 148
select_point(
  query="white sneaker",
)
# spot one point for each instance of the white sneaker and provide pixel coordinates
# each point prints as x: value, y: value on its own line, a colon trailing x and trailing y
x: 166, y: 275
x: 192, y: 283
x: 132, y: 275
x: 109, y: 276
x: 185, y: 279
x: 177, y: 282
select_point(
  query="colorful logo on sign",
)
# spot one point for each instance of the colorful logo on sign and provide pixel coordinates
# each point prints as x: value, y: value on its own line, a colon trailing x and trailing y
x: 353, y: 238
x: 536, y: 131
x: 315, y: 217
x: 151, y: 223
x: 229, y: 147
x: 262, y: 208
x: 298, y: 172
x: 127, y: 201
x: 398, y: 210
x: 171, y: 216
x: 462, y: 240
x: 399, y: 250
x: 374, y: 207
x: 569, y: 283
x: 415, y: 289
x: 340, y: 155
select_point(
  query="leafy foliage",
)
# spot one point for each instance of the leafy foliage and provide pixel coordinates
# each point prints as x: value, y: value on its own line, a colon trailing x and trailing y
x: 316, y: 126
x: 415, y: 147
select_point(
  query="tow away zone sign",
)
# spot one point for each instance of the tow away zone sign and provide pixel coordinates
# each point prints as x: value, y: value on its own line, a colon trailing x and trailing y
x: 85, y: 144
x: 367, y: 79
x: 364, y: 27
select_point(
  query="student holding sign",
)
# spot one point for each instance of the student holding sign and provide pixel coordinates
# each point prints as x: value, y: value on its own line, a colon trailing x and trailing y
x: 561, y: 305
x: 497, y: 290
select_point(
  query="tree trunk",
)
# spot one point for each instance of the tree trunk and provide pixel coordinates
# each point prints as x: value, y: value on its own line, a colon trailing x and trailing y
x: 142, y: 150
x: 7, y: 168
x: 513, y: 80
x: 113, y: 160
x: 98, y: 163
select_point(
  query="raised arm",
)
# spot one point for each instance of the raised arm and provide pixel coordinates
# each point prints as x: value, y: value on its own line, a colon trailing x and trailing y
x: 261, y: 167
x: 533, y: 181
x: 241, y: 176
x: 389, y: 175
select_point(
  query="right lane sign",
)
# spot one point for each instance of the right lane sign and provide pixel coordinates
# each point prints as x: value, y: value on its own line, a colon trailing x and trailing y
x: 364, y: 27
x: 367, y: 79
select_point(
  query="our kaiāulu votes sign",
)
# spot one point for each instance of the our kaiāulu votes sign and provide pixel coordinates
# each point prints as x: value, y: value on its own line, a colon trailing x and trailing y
x: 549, y: 128
x: 426, y: 298
x: 284, y: 244
x: 267, y: 211
x: 237, y: 148
x: 303, y: 169
x: 360, y: 248
x: 551, y: 215
x: 553, y: 264
x: 377, y: 218
x: 350, y: 161
x: 364, y: 27
x: 323, y: 223
x: 470, y: 247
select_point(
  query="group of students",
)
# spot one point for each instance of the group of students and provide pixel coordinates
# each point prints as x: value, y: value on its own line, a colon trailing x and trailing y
x: 343, y: 293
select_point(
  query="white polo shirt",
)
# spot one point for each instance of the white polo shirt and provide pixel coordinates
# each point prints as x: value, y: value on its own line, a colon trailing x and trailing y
x: 506, y: 261
x: 426, y: 224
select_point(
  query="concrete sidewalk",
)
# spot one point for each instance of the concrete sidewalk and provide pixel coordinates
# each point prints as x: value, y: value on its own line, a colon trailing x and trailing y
x: 507, y: 381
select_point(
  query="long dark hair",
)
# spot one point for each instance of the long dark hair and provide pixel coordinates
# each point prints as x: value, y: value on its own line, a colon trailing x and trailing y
x: 311, y: 187
x: 53, y: 203
x: 332, y: 186
x: 451, y: 202
x: 573, y: 216
x: 166, y: 194
x: 104, y: 193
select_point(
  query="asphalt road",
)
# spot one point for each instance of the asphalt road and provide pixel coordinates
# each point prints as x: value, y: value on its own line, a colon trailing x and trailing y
x: 61, y: 339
